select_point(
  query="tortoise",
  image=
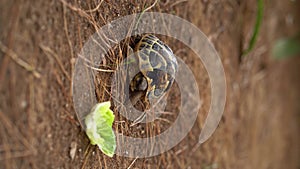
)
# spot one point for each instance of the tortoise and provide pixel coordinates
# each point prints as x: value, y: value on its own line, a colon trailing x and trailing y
x: 157, y: 65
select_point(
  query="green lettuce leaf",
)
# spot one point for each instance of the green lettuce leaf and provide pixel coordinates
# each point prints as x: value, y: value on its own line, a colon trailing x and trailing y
x: 99, y: 128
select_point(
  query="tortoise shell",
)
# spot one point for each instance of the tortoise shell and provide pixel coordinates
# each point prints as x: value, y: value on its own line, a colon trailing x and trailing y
x: 157, y: 64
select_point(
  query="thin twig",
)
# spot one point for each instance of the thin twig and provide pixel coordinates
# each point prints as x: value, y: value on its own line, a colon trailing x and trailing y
x: 145, y: 10
x: 132, y: 163
x: 99, y: 69
x: 56, y: 57
x: 66, y: 31
x: 69, y: 43
x: 138, y: 119
x: 81, y: 13
x: 95, y: 9
x: 177, y: 2
x: 180, y: 150
x: 86, y: 156
x: 19, y: 61
x: 163, y: 119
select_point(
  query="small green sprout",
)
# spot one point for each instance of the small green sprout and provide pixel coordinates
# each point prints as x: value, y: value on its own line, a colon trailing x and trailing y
x: 257, y: 26
x: 99, y: 128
